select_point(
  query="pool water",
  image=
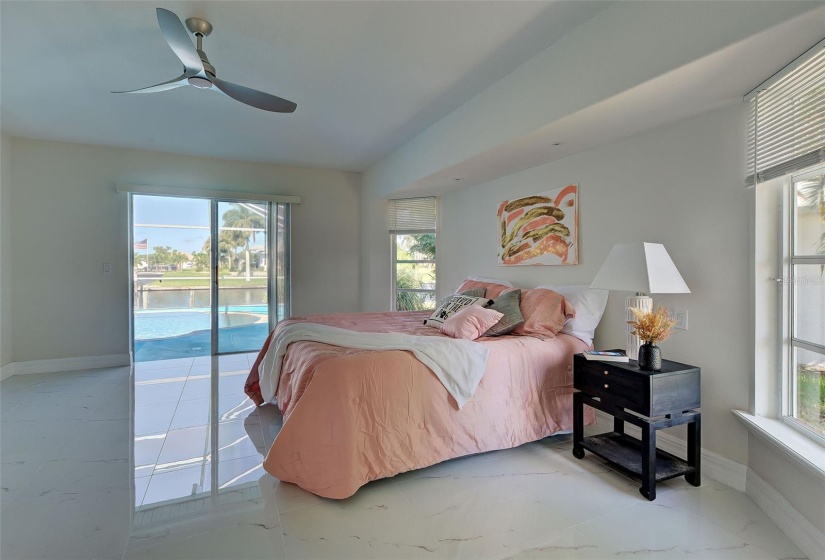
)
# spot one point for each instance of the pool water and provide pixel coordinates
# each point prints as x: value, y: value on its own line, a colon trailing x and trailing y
x: 155, y: 324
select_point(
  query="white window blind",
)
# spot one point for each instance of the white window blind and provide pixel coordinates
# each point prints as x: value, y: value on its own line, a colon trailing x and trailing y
x: 786, y: 130
x: 412, y: 215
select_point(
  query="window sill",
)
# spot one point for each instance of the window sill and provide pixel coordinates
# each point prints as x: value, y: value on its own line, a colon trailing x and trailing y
x: 801, y: 449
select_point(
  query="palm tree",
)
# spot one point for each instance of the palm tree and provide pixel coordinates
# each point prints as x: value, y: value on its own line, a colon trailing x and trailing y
x: 240, y: 216
x: 226, y: 246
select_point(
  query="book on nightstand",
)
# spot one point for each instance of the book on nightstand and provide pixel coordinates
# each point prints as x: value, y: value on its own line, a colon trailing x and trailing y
x: 606, y: 356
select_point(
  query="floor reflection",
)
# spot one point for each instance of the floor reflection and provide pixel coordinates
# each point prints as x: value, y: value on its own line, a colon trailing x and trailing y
x: 199, y: 444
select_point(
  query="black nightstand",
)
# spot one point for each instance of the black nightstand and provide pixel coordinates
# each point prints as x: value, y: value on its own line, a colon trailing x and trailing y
x: 648, y: 399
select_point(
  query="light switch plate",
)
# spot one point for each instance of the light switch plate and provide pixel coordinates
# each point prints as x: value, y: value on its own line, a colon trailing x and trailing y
x: 681, y: 319
x: 107, y: 268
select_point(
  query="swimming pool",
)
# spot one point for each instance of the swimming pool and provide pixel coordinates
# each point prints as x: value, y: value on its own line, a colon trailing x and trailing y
x: 153, y: 324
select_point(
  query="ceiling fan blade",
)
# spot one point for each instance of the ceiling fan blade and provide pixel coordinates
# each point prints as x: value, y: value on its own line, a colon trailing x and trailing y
x: 178, y: 39
x: 254, y: 97
x: 171, y: 84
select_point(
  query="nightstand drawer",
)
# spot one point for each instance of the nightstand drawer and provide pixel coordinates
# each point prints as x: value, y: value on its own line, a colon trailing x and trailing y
x: 607, y: 382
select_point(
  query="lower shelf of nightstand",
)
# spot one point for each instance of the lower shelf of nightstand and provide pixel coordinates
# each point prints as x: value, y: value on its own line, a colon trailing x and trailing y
x: 625, y: 451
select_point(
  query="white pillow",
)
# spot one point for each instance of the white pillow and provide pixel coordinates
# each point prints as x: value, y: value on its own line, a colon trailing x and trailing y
x: 489, y: 281
x: 451, y: 305
x: 589, y: 304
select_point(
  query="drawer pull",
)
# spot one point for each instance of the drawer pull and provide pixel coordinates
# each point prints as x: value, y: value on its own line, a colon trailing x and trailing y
x: 606, y: 386
x: 605, y: 372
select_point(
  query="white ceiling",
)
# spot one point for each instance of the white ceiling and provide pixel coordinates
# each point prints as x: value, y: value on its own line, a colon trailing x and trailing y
x: 367, y: 76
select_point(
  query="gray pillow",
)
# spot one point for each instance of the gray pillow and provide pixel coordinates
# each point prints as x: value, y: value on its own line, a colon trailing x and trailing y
x: 475, y: 292
x: 509, y: 304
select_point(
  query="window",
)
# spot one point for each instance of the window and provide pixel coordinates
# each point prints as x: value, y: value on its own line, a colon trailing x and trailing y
x: 804, y: 393
x: 786, y: 144
x: 412, y: 228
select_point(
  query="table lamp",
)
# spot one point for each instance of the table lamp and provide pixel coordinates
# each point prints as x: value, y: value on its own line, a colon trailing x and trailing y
x: 644, y: 268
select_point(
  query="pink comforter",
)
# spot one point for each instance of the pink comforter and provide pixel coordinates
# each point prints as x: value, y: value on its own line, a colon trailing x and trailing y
x: 352, y: 416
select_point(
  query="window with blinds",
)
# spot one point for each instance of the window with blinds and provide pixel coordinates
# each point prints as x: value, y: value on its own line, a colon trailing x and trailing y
x: 412, y: 228
x: 786, y: 131
x: 412, y: 215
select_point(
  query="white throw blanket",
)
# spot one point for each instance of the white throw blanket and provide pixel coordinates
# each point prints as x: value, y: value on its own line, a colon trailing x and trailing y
x: 458, y: 364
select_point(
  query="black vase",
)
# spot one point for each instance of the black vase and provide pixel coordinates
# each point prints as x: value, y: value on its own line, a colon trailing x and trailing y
x: 650, y: 357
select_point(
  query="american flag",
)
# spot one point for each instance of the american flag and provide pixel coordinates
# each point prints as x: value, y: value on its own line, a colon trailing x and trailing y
x: 142, y: 244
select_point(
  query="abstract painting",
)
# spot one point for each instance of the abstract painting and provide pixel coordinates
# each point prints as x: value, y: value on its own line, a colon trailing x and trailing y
x: 541, y: 229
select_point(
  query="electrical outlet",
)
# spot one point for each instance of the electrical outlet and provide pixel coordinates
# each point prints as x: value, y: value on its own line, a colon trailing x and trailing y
x: 107, y: 268
x: 681, y: 319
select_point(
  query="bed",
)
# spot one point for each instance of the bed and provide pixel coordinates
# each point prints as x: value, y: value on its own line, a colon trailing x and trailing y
x: 352, y: 416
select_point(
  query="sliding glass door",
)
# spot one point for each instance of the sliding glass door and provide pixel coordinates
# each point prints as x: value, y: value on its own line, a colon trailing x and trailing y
x: 243, y: 277
x: 209, y: 276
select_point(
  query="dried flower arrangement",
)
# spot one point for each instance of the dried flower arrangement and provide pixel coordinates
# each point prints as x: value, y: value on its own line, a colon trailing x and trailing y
x: 652, y: 326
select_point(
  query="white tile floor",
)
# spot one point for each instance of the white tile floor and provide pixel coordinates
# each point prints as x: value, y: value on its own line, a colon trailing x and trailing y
x: 146, y: 464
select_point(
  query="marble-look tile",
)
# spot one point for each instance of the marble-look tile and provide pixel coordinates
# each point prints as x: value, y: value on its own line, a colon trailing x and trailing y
x: 191, y: 413
x: 185, y: 448
x: 374, y: 524
x: 736, y: 513
x: 164, y: 364
x: 153, y: 419
x: 146, y: 452
x: 69, y: 490
x: 180, y: 483
x: 291, y: 496
x: 89, y: 524
x: 581, y: 497
x: 149, y: 392
x: 234, y: 441
x: 652, y: 531
x: 140, y: 485
x: 6, y: 496
x: 77, y: 476
x: 173, y: 373
x: 232, y: 407
x: 201, y: 387
x: 198, y: 388
x: 97, y: 441
x: 488, y: 520
x: 25, y: 446
x: 240, y: 471
x: 12, y: 395
x: 247, y: 537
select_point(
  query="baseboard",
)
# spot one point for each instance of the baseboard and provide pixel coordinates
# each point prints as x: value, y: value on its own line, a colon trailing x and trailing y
x: 808, y: 538
x: 65, y: 364
x: 6, y: 371
x: 715, y: 466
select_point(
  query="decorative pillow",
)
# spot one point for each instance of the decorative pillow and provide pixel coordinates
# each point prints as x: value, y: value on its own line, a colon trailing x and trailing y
x: 450, y: 305
x: 475, y: 292
x: 545, y: 313
x: 471, y: 322
x: 492, y: 281
x: 589, y: 304
x: 492, y: 289
x: 508, y: 305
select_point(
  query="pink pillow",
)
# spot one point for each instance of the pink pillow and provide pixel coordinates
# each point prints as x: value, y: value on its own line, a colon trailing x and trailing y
x: 471, y: 322
x: 545, y: 313
x: 492, y: 290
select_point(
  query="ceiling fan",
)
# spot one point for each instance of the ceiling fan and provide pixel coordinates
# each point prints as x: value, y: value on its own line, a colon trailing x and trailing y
x: 199, y: 72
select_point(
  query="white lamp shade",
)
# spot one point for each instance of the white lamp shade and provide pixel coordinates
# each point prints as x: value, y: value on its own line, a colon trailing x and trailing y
x: 640, y: 267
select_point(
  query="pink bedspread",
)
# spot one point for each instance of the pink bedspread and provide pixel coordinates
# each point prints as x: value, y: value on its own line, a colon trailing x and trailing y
x: 352, y: 416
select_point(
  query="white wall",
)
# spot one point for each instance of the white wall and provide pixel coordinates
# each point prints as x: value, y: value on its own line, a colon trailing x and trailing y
x: 681, y: 185
x: 803, y: 490
x: 5, y: 250
x: 68, y: 220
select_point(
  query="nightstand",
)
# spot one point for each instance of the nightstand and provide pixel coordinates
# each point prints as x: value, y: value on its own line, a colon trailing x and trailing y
x: 651, y: 400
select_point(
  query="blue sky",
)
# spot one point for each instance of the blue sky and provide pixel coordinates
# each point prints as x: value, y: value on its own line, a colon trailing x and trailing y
x: 168, y: 210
